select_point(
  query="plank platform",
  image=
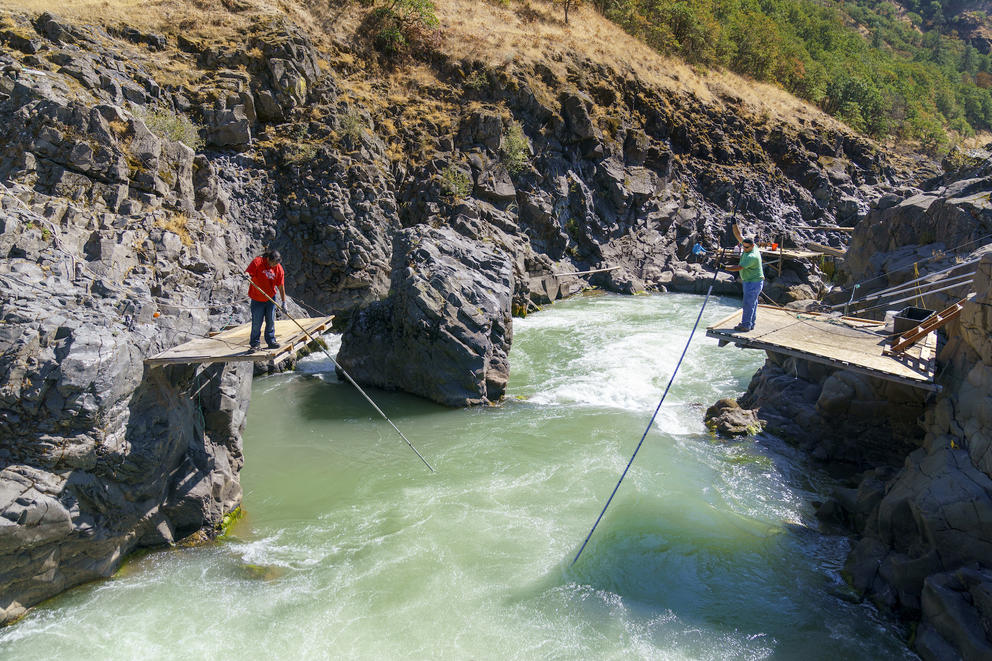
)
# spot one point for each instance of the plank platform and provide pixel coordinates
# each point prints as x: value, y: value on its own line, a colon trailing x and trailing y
x: 789, y: 253
x: 843, y: 342
x: 232, y: 345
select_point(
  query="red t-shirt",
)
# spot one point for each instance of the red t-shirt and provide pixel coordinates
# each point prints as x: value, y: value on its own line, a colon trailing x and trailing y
x: 265, y: 275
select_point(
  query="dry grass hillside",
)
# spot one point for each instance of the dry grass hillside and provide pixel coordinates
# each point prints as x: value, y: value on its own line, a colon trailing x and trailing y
x: 500, y: 34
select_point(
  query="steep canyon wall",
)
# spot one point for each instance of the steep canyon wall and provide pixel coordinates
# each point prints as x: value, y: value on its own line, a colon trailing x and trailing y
x: 140, y: 172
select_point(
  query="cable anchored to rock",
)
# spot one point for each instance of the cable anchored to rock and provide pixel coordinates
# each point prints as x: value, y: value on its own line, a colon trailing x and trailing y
x: 342, y: 370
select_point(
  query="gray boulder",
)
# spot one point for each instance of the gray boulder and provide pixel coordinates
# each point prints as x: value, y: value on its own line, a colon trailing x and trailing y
x: 957, y: 616
x: 445, y: 329
x: 575, y: 107
x: 494, y: 184
x: 228, y: 128
x: 976, y: 318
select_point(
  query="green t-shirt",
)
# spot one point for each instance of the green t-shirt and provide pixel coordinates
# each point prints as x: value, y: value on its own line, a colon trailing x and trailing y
x: 751, y: 263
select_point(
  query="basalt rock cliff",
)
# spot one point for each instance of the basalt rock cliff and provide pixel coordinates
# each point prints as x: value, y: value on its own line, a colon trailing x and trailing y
x: 921, y: 502
x: 141, y: 171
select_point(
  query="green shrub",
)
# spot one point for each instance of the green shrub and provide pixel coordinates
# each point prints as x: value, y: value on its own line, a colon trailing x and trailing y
x: 860, y: 60
x: 352, y: 125
x: 403, y: 26
x: 515, y: 152
x: 455, y: 182
x: 173, y: 126
x: 300, y: 153
x: 476, y: 80
x: 958, y: 159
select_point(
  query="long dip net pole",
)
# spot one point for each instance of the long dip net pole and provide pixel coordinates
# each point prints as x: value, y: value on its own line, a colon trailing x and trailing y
x: 716, y: 272
x: 327, y: 353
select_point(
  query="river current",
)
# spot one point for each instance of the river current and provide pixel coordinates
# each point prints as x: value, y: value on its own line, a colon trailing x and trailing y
x: 352, y: 549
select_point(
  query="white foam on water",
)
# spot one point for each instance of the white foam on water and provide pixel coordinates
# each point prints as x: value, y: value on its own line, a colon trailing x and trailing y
x: 612, y: 356
x: 317, y: 363
x: 272, y: 551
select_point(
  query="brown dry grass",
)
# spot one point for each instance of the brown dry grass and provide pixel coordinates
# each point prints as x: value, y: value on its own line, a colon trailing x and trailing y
x: 192, y: 18
x: 979, y: 140
x: 534, y: 31
x: 497, y: 35
x: 135, y: 11
x: 177, y: 224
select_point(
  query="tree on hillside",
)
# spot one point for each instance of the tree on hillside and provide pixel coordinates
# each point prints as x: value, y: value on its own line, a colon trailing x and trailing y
x: 568, y: 5
x: 859, y: 60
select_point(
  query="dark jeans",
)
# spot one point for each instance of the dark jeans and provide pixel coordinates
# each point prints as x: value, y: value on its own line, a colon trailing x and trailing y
x: 263, y: 310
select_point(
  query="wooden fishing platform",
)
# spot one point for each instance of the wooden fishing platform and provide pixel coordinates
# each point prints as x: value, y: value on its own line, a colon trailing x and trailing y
x: 844, y: 342
x: 773, y: 256
x: 231, y: 345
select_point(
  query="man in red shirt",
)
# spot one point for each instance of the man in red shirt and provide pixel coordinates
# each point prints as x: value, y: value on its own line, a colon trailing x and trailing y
x: 266, y: 275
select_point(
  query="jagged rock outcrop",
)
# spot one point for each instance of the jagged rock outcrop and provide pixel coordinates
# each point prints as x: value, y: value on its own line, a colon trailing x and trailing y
x: 444, y: 331
x: 836, y: 415
x: 111, y: 251
x: 936, y: 227
x: 957, y: 606
x: 935, y: 517
x: 99, y: 454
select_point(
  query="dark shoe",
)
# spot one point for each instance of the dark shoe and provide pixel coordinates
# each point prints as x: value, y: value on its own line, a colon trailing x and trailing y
x: 252, y: 347
x: 272, y: 345
x: 741, y: 328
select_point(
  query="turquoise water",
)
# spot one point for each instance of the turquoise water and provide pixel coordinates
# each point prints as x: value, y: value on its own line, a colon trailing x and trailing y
x: 351, y: 549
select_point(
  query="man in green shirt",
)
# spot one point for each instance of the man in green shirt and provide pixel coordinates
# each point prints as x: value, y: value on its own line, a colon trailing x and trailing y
x: 753, y: 279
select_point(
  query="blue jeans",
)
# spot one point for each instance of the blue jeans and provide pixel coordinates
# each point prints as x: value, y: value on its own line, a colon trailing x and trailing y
x: 751, y: 292
x: 263, y: 310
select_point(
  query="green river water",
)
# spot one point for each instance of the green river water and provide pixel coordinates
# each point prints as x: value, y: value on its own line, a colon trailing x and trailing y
x: 351, y: 549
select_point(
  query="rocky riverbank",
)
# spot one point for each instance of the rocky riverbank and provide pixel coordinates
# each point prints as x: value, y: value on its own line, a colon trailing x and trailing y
x: 141, y: 171
x: 921, y: 501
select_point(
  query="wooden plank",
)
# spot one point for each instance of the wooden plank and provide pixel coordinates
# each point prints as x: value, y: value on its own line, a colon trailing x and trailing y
x: 560, y: 275
x: 723, y: 322
x: 915, y: 381
x: 232, y: 345
x: 816, y: 358
x: 789, y: 253
x: 826, y: 250
x: 298, y: 346
x: 929, y: 325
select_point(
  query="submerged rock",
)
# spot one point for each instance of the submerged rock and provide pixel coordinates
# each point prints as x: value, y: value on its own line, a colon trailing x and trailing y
x: 445, y: 329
